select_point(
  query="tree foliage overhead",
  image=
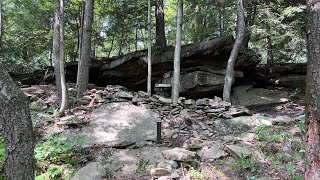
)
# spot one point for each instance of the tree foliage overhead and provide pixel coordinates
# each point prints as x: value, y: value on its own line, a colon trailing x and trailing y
x: 120, y: 27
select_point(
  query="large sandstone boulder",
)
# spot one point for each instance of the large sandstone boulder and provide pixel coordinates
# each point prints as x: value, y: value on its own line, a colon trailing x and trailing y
x: 117, y: 124
x: 130, y: 70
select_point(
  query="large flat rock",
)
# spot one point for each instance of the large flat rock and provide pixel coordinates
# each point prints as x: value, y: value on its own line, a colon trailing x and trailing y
x: 116, y: 124
x: 249, y: 96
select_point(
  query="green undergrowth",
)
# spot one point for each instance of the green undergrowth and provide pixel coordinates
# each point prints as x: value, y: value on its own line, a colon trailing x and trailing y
x: 58, y: 157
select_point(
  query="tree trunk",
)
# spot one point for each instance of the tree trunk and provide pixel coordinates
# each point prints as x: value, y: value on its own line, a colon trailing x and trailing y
x: 84, y: 62
x: 1, y: 23
x: 177, y: 54
x: 18, y: 132
x: 160, y: 25
x: 80, y: 30
x: 112, y: 42
x: 149, y: 49
x: 64, y: 90
x: 251, y: 15
x: 269, y: 40
x: 312, y: 171
x: 56, y: 49
x: 221, y: 28
x: 136, y: 41
x: 269, y: 47
x: 234, y: 53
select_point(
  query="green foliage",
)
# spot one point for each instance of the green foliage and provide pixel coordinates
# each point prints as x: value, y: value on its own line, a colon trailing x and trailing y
x: 248, y: 164
x: 196, y: 175
x: 270, y: 133
x: 2, y: 155
x: 57, y: 150
x: 58, y: 155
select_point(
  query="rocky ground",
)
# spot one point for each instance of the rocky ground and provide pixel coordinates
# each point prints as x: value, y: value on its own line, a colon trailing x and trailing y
x: 201, y: 139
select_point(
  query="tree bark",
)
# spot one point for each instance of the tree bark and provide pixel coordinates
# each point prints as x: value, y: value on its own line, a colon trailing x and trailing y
x: 84, y: 63
x: 18, y: 131
x: 251, y: 15
x: 1, y: 23
x: 160, y: 25
x: 269, y: 40
x: 56, y: 49
x: 234, y: 53
x: 64, y: 90
x: 177, y: 54
x: 149, y: 49
x: 111, y: 47
x: 312, y: 170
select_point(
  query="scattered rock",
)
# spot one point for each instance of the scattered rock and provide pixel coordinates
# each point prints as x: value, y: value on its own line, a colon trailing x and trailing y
x: 193, y: 144
x: 157, y: 172
x: 239, y: 151
x: 282, y: 120
x: 214, y: 152
x: 178, y: 154
x: 143, y: 94
x: 124, y: 95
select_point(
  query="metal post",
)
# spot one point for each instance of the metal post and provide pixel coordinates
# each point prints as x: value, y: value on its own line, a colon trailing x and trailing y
x: 159, y: 132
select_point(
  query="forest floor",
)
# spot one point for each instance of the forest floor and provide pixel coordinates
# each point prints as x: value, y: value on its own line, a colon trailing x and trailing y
x: 117, y: 128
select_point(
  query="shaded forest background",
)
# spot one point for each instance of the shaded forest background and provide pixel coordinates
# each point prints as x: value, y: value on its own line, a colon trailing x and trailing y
x: 120, y: 27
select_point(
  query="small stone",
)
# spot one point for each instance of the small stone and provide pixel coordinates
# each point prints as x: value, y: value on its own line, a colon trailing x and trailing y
x: 168, y: 133
x: 193, y: 143
x: 178, y: 154
x: 165, y: 100
x: 205, y: 133
x: 282, y: 120
x: 214, y: 152
x: 143, y: 94
x: 175, y: 135
x: 212, y: 115
x: 189, y: 102
x: 124, y: 95
x: 204, y: 127
x: 158, y: 172
x: 219, y: 110
x: 202, y: 102
x: 238, y: 151
x: 168, y: 164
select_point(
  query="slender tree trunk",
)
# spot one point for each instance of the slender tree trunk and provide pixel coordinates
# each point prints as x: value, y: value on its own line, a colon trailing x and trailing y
x: 149, y: 49
x: 160, y: 25
x: 312, y: 171
x: 221, y: 21
x: 177, y: 54
x: 269, y: 40
x: 64, y: 90
x: 252, y: 12
x: 112, y: 42
x: 84, y: 63
x: 18, y: 132
x: 56, y: 49
x: 1, y: 23
x: 136, y: 43
x: 80, y: 37
x: 234, y: 53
